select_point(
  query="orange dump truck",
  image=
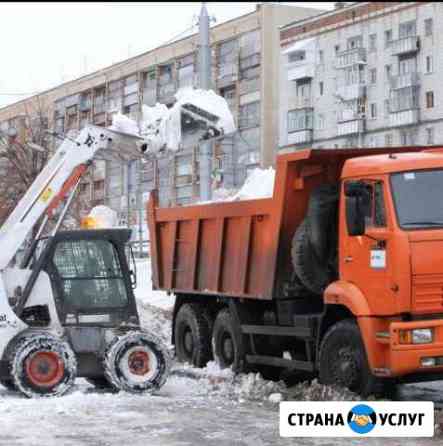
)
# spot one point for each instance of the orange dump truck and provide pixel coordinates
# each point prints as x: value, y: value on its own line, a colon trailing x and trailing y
x: 339, y: 274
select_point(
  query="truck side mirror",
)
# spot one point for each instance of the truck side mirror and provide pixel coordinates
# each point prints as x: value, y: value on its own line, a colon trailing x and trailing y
x: 357, y: 196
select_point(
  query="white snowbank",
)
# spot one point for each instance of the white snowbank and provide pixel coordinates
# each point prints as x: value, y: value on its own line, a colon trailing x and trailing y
x: 104, y: 216
x: 161, y: 127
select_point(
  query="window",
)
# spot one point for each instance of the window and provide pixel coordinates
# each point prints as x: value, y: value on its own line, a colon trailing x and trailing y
x: 249, y: 115
x: 430, y: 135
x: 299, y: 120
x: 373, y: 42
x: 321, y: 57
x: 388, y: 38
x: 386, y: 106
x: 388, y: 69
x: 321, y: 122
x: 355, y: 42
x: 337, y: 48
x: 373, y: 110
x: 429, y: 64
x: 407, y: 29
x: 297, y: 56
x: 428, y: 27
x: 429, y: 99
x: 403, y: 138
x: 373, y: 75
x: 388, y: 139
x: 88, y: 275
x: 407, y: 64
x: 321, y: 88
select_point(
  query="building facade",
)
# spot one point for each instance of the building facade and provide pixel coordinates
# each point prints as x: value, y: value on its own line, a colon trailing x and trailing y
x: 245, y: 63
x: 362, y: 75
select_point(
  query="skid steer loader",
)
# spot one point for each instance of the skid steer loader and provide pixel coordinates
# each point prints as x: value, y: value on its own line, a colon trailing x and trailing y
x: 69, y: 310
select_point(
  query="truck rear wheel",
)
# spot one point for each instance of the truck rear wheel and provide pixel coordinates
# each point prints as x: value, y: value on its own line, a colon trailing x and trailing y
x: 225, y: 344
x: 136, y: 362
x: 192, y: 335
x: 42, y: 366
x: 343, y: 361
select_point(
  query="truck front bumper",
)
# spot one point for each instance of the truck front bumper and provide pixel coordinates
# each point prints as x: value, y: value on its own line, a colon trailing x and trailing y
x: 407, y: 358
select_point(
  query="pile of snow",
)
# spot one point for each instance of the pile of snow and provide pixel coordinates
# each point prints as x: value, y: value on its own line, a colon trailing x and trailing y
x: 104, y: 216
x: 157, y: 320
x: 161, y: 127
x: 314, y: 391
x: 258, y: 184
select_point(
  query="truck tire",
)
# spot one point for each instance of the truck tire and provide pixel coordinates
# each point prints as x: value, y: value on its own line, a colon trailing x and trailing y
x: 192, y: 335
x: 308, y: 268
x: 343, y: 361
x: 42, y: 365
x: 225, y: 342
x: 136, y: 362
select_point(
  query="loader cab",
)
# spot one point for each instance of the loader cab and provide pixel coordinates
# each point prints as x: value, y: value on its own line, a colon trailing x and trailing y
x: 91, y: 277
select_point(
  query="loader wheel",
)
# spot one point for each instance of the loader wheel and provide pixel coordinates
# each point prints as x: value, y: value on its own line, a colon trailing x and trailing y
x: 192, y: 335
x: 343, y: 361
x: 225, y: 343
x: 136, y: 362
x: 42, y: 366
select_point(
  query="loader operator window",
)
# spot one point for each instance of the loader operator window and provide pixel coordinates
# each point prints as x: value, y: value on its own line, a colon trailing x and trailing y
x: 90, y: 274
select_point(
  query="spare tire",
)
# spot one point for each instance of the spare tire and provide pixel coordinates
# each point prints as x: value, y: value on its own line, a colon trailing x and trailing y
x: 314, y: 246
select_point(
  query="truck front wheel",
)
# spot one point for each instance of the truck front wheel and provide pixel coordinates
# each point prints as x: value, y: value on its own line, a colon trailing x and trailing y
x: 192, y: 335
x: 225, y: 343
x: 343, y: 361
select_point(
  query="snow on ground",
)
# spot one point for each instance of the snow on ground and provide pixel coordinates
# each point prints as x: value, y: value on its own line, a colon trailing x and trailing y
x: 196, y: 406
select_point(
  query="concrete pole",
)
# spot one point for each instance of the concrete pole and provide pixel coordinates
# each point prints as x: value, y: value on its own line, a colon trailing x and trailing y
x: 206, y: 148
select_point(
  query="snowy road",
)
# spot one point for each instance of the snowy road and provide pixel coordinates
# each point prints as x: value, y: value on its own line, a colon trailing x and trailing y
x: 181, y: 414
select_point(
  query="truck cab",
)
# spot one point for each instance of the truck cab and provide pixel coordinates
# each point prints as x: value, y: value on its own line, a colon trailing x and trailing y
x: 390, y: 251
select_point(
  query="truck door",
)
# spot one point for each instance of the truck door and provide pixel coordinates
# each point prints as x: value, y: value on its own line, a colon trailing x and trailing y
x: 366, y: 260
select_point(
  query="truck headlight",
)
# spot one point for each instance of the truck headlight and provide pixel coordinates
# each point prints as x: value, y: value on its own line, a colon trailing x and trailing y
x: 417, y: 336
x: 422, y: 335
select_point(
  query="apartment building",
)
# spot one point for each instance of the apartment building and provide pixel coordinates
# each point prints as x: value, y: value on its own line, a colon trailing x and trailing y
x: 362, y: 75
x: 245, y: 55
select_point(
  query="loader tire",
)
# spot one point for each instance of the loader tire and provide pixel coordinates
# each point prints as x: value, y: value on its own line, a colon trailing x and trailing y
x: 225, y: 342
x: 192, y: 335
x: 136, y: 362
x: 42, y: 365
x: 343, y: 360
x: 308, y: 268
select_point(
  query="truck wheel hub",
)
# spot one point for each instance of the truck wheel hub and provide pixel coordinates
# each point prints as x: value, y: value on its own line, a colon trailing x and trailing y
x: 188, y: 342
x: 45, y: 368
x: 228, y: 348
x: 138, y: 362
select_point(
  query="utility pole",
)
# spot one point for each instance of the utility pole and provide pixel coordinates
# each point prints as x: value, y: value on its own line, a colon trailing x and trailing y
x: 206, y: 148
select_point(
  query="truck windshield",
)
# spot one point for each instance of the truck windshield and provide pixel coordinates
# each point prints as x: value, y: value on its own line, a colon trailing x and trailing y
x: 418, y: 198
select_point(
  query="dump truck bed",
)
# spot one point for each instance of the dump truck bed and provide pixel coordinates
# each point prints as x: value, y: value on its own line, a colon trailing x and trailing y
x: 242, y: 248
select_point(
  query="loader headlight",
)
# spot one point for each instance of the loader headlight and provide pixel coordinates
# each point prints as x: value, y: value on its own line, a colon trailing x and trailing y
x: 417, y: 336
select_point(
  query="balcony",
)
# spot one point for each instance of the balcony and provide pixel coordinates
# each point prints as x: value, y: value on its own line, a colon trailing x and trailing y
x: 350, y: 127
x: 349, y: 92
x: 404, y: 117
x: 404, y: 80
x: 227, y: 74
x: 300, y: 137
x: 409, y: 44
x: 347, y: 114
x: 300, y: 102
x: 150, y: 96
x: 300, y: 70
x: 348, y: 58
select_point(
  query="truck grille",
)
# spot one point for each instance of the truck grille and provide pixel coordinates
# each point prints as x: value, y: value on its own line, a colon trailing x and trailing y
x: 427, y: 293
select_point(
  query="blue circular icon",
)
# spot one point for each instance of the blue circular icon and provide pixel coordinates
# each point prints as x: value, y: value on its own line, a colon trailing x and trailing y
x: 362, y: 419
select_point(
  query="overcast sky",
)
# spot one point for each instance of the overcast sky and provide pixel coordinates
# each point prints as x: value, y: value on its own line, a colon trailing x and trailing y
x: 44, y: 44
